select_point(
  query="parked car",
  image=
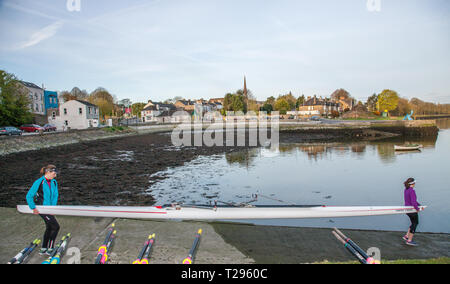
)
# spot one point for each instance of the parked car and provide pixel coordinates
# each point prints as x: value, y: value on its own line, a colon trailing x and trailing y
x: 9, y: 130
x: 31, y: 128
x: 49, y: 127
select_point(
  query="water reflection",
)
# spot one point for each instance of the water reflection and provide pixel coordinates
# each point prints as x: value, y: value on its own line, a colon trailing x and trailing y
x: 319, y: 151
x: 341, y: 174
x: 443, y: 123
x: 243, y: 158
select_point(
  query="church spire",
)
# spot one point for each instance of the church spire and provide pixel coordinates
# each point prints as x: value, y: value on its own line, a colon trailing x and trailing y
x: 245, y: 87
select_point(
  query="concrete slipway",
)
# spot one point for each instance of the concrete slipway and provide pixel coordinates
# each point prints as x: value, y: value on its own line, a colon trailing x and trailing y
x: 222, y: 243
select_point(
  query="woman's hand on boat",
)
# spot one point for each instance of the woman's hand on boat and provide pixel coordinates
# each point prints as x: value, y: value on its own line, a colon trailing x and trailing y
x: 35, y: 211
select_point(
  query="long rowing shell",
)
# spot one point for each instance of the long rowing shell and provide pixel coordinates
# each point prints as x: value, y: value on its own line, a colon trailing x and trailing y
x: 220, y: 213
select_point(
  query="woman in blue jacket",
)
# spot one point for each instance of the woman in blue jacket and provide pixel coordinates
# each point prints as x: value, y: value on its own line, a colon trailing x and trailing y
x: 45, y: 192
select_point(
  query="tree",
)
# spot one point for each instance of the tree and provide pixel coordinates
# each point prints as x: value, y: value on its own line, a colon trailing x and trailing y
x: 271, y: 100
x: 403, y: 107
x: 300, y: 101
x: 340, y: 94
x: 282, y: 105
x: 79, y: 94
x: 125, y: 102
x: 74, y: 94
x: 137, y: 108
x: 14, y: 103
x: 387, y: 100
x: 268, y: 108
x: 227, y: 101
x: 104, y: 100
x: 372, y: 102
x: 290, y: 99
x: 235, y: 102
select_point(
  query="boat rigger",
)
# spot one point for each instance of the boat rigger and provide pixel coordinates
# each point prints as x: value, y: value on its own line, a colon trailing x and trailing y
x: 220, y: 213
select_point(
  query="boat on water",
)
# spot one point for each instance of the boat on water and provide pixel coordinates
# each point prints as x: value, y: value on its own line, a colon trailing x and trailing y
x: 220, y: 212
x: 412, y: 147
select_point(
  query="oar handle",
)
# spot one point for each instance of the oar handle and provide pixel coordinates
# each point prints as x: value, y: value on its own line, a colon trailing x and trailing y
x: 353, y: 244
x: 350, y: 248
x: 338, y: 237
x: 193, y: 250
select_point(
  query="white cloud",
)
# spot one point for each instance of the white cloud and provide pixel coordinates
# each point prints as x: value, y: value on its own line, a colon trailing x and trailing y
x: 43, y: 34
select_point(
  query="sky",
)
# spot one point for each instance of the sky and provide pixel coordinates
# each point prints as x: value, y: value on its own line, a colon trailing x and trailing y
x: 160, y: 49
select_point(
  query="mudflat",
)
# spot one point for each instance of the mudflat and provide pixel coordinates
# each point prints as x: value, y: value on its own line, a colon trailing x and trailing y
x: 115, y: 171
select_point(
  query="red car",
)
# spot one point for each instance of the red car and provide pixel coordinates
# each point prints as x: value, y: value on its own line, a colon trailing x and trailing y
x: 31, y: 128
x: 49, y: 127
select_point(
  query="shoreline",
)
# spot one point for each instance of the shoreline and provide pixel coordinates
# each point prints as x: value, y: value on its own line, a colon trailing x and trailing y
x: 127, y: 163
x: 316, y: 131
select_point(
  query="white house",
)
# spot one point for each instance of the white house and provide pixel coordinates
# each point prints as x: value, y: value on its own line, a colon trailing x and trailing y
x: 76, y: 114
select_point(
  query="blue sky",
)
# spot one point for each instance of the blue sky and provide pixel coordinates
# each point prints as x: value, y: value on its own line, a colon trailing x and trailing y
x: 203, y: 48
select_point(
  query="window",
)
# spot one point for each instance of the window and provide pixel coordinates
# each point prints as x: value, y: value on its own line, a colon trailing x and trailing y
x: 95, y: 110
x: 66, y: 123
x: 42, y: 108
x: 90, y: 110
x: 37, y: 107
x: 80, y: 110
x: 53, y: 114
x: 65, y: 111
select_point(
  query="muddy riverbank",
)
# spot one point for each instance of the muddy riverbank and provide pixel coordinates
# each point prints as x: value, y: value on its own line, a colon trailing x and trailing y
x: 120, y: 170
x: 104, y: 172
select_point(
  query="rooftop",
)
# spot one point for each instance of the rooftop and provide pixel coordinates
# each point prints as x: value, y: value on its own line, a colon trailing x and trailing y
x: 30, y: 85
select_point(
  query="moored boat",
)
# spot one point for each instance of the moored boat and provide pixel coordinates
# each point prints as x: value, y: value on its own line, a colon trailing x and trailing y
x: 413, y: 147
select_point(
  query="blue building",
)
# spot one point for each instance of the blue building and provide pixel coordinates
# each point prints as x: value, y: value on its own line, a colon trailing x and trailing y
x: 51, y: 102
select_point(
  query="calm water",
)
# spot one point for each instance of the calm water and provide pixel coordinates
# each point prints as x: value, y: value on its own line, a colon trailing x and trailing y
x: 362, y: 173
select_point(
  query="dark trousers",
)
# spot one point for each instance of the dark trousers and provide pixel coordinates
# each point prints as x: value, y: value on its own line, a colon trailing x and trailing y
x: 414, y: 217
x: 51, y: 231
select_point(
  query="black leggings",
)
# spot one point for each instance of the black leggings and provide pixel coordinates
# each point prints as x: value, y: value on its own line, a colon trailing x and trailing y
x: 414, y: 217
x: 51, y: 231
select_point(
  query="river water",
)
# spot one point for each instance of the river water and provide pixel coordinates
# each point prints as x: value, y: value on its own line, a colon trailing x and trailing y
x: 340, y: 174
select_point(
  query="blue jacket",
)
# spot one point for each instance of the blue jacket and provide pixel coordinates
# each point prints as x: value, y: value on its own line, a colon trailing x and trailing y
x: 50, y: 194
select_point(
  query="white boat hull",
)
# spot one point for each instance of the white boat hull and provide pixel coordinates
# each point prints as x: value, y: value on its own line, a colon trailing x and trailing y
x: 407, y: 148
x: 221, y: 213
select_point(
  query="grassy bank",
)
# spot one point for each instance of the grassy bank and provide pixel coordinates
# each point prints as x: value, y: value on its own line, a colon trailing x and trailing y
x: 440, y: 260
x: 117, y: 129
x: 394, y: 118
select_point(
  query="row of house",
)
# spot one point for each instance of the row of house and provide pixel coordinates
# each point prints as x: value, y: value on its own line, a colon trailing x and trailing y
x: 314, y: 106
x: 166, y: 113
x: 46, y: 108
x: 77, y: 114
